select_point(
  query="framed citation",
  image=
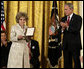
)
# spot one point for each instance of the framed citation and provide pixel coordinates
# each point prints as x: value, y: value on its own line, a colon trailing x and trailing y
x: 30, y: 31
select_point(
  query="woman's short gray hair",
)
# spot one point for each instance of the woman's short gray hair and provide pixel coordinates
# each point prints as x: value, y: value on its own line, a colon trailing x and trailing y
x: 21, y: 14
x: 70, y: 5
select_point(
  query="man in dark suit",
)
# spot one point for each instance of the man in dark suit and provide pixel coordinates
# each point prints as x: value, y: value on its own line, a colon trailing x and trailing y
x: 34, y: 53
x: 71, y: 25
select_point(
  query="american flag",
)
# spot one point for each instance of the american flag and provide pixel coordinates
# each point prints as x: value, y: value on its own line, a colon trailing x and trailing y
x: 51, y: 30
x: 3, y: 25
x: 54, y: 19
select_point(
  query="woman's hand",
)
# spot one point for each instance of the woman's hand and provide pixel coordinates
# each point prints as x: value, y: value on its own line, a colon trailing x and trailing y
x: 20, y: 37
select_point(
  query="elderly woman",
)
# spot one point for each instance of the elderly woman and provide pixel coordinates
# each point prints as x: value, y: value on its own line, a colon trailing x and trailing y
x: 5, y: 48
x: 19, y: 52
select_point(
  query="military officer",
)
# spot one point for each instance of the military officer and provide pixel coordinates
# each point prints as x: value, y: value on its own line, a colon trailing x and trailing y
x: 34, y: 53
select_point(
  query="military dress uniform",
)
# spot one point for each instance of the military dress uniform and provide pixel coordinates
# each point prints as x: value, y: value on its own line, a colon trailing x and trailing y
x: 34, y: 54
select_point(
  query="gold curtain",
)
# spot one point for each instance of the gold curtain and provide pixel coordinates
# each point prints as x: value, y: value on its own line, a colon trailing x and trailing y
x: 39, y: 13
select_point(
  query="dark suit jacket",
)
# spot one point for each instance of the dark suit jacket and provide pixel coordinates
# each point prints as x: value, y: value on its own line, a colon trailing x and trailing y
x: 4, y: 54
x: 71, y: 38
x: 35, y: 53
